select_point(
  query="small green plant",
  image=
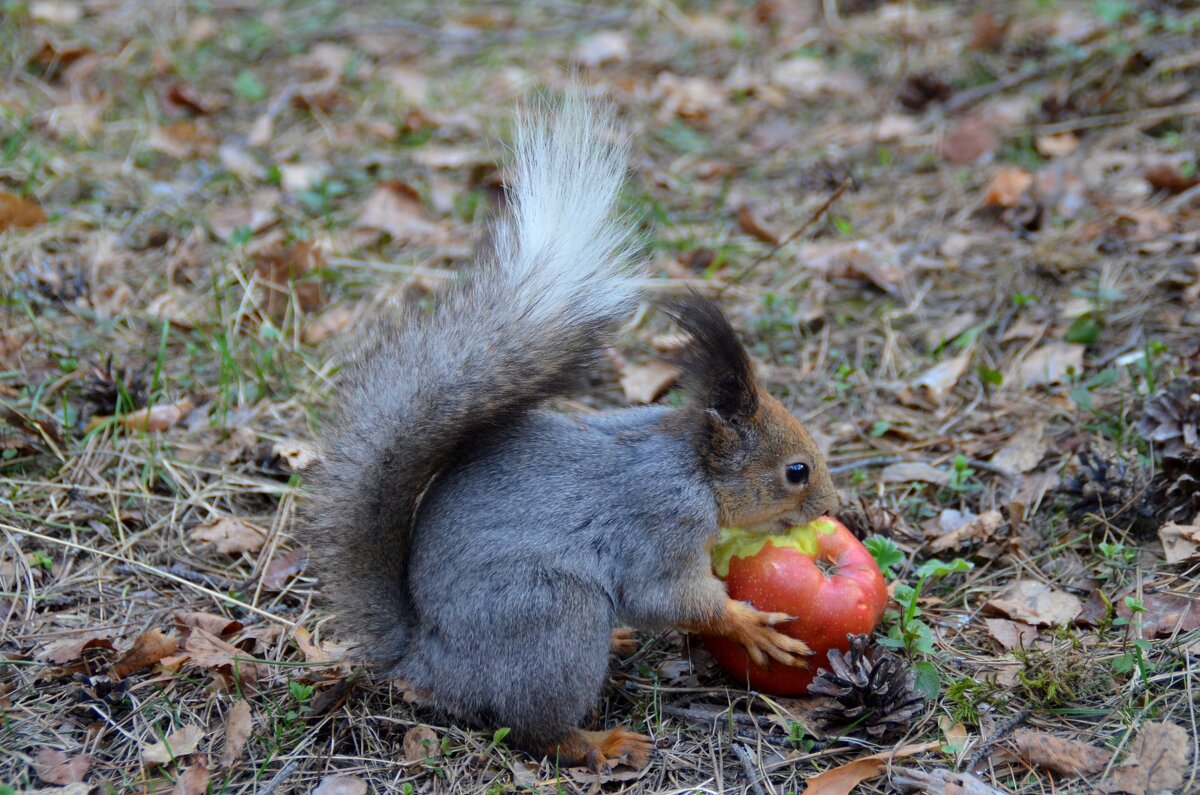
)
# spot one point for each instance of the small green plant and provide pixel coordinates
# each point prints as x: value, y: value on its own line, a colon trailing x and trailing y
x: 887, y: 555
x: 1134, y: 657
x: 962, y: 476
x: 909, y: 632
x: 249, y: 87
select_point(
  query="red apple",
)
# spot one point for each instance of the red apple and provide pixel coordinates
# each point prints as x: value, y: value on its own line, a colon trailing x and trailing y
x: 820, y: 574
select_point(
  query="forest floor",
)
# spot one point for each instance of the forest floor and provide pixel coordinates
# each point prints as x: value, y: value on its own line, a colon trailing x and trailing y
x: 962, y: 241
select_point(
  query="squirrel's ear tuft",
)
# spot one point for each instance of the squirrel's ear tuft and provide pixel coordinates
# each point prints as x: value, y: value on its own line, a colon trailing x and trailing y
x: 717, y: 370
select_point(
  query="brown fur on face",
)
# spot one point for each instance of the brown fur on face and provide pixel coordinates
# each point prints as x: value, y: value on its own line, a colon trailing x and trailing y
x: 745, y: 436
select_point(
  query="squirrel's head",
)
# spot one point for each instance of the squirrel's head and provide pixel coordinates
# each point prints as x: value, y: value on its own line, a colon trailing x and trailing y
x: 767, y: 473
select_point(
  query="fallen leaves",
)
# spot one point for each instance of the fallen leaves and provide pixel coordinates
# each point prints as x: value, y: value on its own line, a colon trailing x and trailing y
x: 602, y: 47
x: 646, y: 383
x: 938, y: 381
x: 155, y: 419
x: 1180, y: 542
x: 1007, y: 187
x: 1011, y: 634
x: 910, y: 471
x: 192, y: 781
x: 972, y: 139
x: 55, y: 767
x: 1059, y: 755
x: 420, y: 743
x: 341, y: 785
x: 182, y: 140
x: 1036, y: 603
x: 1053, y: 363
x: 17, y: 212
x: 229, y: 536
x: 149, y: 648
x: 239, y: 722
x: 1025, y: 450
x: 181, y: 742
x: 844, y: 778
x: 395, y: 208
x: 1159, y: 761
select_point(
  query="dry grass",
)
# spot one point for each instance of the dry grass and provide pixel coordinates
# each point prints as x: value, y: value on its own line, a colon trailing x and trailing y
x: 152, y: 271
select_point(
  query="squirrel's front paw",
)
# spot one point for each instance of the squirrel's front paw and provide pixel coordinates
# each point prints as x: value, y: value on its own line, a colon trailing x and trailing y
x: 755, y: 631
x: 624, y: 642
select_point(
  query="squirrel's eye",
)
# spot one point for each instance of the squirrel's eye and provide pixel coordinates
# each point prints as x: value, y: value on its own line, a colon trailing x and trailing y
x: 797, y: 473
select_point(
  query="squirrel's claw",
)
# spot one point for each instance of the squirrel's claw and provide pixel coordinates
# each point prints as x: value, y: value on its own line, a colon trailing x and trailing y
x: 754, y: 630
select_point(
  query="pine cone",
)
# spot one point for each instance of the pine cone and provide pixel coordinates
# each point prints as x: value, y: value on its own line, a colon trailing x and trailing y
x: 1171, y: 418
x: 1175, y: 491
x: 1113, y: 489
x: 874, y: 689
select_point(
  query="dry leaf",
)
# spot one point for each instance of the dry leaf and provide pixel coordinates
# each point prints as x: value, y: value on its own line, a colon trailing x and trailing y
x: 1011, y: 634
x: 1057, y: 145
x: 65, y: 651
x: 55, y: 767
x: 330, y: 322
x: 17, y: 212
x: 53, y: 12
x: 810, y: 78
x: 298, y: 177
x: 395, y: 208
x: 157, y: 418
x: 230, y: 536
x: 910, y: 471
x: 220, y: 626
x: 1168, y: 178
x: 1059, y: 755
x: 1180, y: 542
x: 192, y: 781
x: 341, y: 785
x: 411, y: 85
x: 605, y: 46
x: 421, y: 742
x: 312, y: 652
x: 180, y: 742
x: 182, y: 140
x: 875, y: 261
x: 1160, y: 753
x: 942, y: 782
x: 955, y: 732
x: 688, y: 97
x: 150, y: 647
x: 1024, y: 451
x: 240, y: 163
x: 965, y: 528
x: 297, y: 455
x: 239, y: 722
x: 1037, y: 603
x: 646, y: 383
x: 844, y: 778
x: 1164, y: 614
x: 1007, y: 187
x: 184, y: 97
x: 753, y: 226
x: 283, y: 568
x: 1052, y: 363
x: 971, y: 139
x: 895, y: 128
x: 936, y: 382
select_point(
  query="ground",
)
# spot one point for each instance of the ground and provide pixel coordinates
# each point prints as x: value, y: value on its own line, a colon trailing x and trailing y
x: 960, y: 240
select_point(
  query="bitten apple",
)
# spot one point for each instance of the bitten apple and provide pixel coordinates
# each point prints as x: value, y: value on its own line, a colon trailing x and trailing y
x: 820, y: 574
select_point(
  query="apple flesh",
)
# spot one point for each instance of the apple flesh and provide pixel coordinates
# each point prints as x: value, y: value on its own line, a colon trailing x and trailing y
x: 820, y: 574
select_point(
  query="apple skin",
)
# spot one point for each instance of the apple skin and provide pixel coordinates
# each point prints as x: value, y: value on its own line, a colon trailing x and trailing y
x: 781, y: 574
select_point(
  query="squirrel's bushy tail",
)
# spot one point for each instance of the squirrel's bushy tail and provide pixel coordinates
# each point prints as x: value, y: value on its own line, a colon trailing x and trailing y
x: 419, y: 392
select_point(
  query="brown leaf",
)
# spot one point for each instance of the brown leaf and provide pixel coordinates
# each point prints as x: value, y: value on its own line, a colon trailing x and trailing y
x: 182, y: 140
x: 239, y: 722
x: 1052, y: 363
x: 1180, y: 542
x: 688, y: 97
x: 17, y: 212
x: 1164, y: 614
x: 874, y: 261
x: 297, y: 455
x: 65, y: 651
x: 1011, y: 634
x: 395, y: 208
x: 844, y: 778
x: 753, y: 226
x: 55, y: 767
x: 208, y: 651
x: 256, y: 213
x: 181, y: 742
x: 970, y: 529
x: 1007, y: 187
x: 939, y: 380
x: 1059, y: 755
x: 1160, y: 761
x: 971, y: 139
x: 341, y: 785
x: 1025, y: 450
x: 155, y: 419
x: 312, y: 652
x: 1168, y: 178
x: 150, y: 647
x: 940, y: 781
x: 220, y: 626
x: 184, y: 97
x: 230, y: 536
x: 810, y: 78
x: 421, y: 742
x: 646, y: 383
x: 283, y: 568
x: 909, y: 471
x: 55, y: 56
x: 1036, y: 603
x: 1057, y: 145
x: 192, y: 781
x: 283, y: 270
x: 328, y: 323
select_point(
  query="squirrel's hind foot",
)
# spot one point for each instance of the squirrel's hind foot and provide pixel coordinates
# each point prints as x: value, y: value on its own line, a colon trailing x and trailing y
x: 624, y: 642
x: 601, y: 750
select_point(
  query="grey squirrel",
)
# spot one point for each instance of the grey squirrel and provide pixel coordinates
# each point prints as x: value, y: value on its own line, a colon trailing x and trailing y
x: 483, y: 547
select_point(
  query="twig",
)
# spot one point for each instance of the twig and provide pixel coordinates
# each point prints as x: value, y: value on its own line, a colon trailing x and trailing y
x: 1107, y: 119
x: 812, y: 219
x: 965, y: 99
x: 702, y: 716
x: 284, y: 773
x: 743, y: 755
x: 1002, y: 731
x: 178, y: 570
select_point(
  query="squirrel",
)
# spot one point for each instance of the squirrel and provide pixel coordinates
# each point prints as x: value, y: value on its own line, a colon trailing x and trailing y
x: 483, y: 547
